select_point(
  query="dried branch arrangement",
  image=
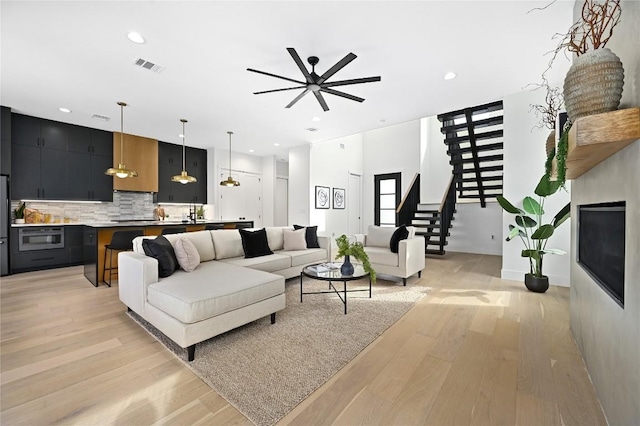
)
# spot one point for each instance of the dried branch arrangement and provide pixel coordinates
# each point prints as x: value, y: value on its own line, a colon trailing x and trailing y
x: 548, y: 112
x: 594, y: 28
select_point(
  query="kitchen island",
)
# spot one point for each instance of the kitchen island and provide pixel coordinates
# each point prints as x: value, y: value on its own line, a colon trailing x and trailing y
x: 97, y: 235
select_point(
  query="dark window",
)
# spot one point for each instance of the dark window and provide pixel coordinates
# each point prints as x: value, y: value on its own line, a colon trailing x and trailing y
x: 387, y: 198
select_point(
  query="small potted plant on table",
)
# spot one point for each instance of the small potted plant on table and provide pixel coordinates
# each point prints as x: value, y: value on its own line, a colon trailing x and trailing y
x: 347, y: 249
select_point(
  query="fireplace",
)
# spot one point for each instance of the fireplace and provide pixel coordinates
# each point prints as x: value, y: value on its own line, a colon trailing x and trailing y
x: 601, y: 245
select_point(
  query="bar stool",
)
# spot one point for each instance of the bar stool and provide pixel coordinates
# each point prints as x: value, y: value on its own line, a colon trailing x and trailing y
x: 174, y: 230
x: 213, y: 226
x: 120, y: 241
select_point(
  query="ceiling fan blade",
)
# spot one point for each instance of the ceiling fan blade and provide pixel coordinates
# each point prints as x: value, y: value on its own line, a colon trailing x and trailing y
x: 292, y: 103
x: 320, y: 99
x: 300, y: 64
x: 277, y: 90
x: 341, y: 94
x: 352, y: 81
x: 276, y: 76
x: 337, y: 67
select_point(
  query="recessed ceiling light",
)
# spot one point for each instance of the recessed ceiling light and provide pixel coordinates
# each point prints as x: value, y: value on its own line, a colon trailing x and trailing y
x: 135, y: 37
x: 251, y: 150
x: 316, y: 118
x: 180, y: 135
x: 450, y: 75
x: 311, y: 129
x: 382, y: 120
x: 276, y: 144
x: 62, y: 109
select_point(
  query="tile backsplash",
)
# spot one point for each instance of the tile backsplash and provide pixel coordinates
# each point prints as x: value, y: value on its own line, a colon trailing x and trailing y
x: 125, y: 206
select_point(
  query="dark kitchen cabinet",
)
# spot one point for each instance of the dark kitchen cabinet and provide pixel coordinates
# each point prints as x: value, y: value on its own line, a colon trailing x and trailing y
x: 198, y: 160
x: 170, y: 164
x: 5, y: 140
x: 38, y: 173
x: 33, y: 131
x: 74, y: 243
x: 59, y: 161
x: 87, y: 164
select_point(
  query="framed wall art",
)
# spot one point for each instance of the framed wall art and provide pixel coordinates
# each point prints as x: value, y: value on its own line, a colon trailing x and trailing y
x: 322, y: 197
x: 338, y: 198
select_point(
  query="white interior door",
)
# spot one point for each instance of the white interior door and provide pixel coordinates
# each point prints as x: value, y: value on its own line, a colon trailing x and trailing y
x: 281, y: 202
x: 354, y: 203
x: 242, y: 202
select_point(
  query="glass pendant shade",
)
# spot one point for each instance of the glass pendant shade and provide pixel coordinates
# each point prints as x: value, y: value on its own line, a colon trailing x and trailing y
x: 121, y: 171
x: 229, y: 182
x: 183, y: 177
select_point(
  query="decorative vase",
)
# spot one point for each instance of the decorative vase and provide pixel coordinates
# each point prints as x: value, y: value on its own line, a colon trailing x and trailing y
x: 593, y: 84
x: 19, y: 221
x: 536, y: 284
x: 347, y: 267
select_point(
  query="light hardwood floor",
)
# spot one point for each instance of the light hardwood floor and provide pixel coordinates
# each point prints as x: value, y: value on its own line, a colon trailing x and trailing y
x: 477, y: 351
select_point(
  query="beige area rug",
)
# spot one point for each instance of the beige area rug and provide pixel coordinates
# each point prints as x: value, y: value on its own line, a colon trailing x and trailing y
x: 266, y: 370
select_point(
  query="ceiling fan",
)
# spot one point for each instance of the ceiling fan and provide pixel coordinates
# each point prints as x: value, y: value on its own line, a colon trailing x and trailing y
x: 318, y: 83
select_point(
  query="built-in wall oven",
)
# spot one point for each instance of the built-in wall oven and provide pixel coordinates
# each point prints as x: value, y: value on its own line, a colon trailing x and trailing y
x: 40, y: 238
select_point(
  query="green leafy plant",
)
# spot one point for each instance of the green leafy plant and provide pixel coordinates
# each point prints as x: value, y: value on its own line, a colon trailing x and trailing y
x: 18, y: 212
x: 529, y: 227
x: 345, y: 248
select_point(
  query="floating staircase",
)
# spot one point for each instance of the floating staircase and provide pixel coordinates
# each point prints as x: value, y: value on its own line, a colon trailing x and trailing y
x: 474, y: 138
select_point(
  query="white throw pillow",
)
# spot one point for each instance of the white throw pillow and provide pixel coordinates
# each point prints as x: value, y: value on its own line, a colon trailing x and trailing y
x: 187, y: 254
x: 295, y: 240
x: 227, y: 243
x: 379, y: 236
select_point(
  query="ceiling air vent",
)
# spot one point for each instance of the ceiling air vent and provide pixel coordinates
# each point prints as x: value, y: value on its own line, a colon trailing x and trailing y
x: 148, y: 65
x: 101, y: 117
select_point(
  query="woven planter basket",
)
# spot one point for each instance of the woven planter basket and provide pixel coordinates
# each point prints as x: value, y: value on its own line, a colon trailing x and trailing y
x: 593, y: 84
x: 551, y: 142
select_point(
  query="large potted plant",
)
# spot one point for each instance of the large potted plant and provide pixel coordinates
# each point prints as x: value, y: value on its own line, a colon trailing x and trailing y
x: 347, y: 249
x: 535, y: 234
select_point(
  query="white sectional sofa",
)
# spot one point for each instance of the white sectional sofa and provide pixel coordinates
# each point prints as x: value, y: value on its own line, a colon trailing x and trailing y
x: 409, y: 260
x: 225, y: 291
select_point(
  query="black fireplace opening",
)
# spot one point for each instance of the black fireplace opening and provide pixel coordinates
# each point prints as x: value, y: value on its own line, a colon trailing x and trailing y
x: 601, y: 243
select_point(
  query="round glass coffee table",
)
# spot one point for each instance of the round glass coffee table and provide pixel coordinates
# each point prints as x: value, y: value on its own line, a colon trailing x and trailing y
x: 322, y: 273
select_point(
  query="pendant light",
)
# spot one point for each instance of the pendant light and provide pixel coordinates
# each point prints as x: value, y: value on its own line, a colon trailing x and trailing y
x: 183, y: 177
x: 121, y: 171
x: 230, y: 182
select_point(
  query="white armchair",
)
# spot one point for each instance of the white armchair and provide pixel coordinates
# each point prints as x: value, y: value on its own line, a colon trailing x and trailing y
x: 409, y: 260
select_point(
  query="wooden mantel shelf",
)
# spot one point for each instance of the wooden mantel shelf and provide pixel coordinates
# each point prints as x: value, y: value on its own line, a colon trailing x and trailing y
x: 594, y: 138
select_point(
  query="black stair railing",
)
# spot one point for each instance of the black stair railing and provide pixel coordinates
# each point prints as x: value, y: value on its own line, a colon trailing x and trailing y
x: 447, y: 209
x: 407, y: 207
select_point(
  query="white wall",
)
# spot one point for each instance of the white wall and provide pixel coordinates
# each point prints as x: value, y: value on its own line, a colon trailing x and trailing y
x: 524, y: 158
x: 435, y: 170
x: 330, y: 164
x: 300, y: 188
x: 473, y: 229
x: 389, y: 150
x: 268, y: 189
